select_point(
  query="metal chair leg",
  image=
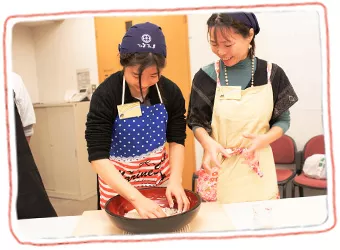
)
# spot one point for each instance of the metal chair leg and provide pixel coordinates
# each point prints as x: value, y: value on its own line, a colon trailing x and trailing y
x: 284, y: 192
x: 301, y: 191
x: 193, y: 183
x: 98, y: 195
x: 293, y: 190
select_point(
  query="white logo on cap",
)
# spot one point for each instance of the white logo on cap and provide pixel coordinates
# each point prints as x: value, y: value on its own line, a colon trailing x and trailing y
x: 146, y: 38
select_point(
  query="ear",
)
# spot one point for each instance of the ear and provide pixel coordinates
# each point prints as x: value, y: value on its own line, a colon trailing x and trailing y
x: 251, y: 34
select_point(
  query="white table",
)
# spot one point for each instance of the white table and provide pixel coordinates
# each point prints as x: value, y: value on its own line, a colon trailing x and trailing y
x: 289, y: 212
x: 54, y: 227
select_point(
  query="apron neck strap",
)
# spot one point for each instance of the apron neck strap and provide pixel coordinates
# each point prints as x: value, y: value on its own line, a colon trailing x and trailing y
x: 217, y: 70
x: 123, y: 92
x: 159, y: 93
x: 269, y: 71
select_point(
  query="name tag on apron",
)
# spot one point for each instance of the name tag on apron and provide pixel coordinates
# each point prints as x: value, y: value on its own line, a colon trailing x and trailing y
x: 230, y: 92
x: 129, y: 110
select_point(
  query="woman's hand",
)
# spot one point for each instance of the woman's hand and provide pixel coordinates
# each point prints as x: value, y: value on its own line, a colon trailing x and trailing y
x: 175, y: 188
x: 211, y: 150
x: 257, y: 142
x: 261, y: 141
x: 147, y: 208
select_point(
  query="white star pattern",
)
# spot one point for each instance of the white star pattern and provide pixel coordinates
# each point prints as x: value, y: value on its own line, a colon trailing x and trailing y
x: 136, y: 137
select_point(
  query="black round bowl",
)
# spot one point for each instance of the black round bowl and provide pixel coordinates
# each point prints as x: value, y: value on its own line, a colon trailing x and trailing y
x: 117, y: 206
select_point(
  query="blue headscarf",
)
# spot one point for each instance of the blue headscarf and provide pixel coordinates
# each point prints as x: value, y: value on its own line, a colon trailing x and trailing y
x: 247, y: 18
x: 143, y: 37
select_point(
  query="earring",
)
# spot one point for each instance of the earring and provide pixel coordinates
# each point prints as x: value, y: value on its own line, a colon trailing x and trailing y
x: 249, y: 47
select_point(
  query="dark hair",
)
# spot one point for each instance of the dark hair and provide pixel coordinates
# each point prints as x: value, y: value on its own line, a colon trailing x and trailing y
x: 144, y: 60
x: 223, y: 21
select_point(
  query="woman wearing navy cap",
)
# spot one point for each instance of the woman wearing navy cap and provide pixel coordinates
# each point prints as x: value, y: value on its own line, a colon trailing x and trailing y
x: 133, y: 113
x: 238, y: 106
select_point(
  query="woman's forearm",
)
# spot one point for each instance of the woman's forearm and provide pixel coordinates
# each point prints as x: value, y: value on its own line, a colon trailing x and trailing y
x: 176, y: 157
x: 273, y: 134
x: 202, y: 136
x: 115, y: 180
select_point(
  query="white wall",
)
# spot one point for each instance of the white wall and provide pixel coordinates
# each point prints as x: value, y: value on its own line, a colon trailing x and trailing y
x: 290, y: 39
x: 61, y: 48
x: 23, y: 58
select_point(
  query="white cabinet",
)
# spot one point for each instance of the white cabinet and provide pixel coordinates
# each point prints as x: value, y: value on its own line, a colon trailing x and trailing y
x: 59, y: 149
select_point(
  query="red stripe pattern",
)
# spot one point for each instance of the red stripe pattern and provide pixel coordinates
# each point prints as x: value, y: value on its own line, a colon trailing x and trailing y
x: 153, y: 170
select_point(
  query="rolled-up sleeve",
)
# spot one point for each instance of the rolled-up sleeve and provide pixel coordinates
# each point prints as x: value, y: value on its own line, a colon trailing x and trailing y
x: 176, y: 127
x: 201, y: 102
x: 283, y: 92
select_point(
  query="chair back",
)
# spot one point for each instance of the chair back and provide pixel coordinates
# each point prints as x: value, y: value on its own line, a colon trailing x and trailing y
x: 284, y: 150
x: 315, y: 145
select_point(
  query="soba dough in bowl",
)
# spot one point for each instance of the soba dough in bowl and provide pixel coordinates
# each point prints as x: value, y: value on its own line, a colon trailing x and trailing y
x: 124, y: 216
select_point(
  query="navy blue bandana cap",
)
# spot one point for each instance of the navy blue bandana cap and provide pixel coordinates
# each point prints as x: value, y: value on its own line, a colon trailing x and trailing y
x: 143, y: 37
x: 247, y: 18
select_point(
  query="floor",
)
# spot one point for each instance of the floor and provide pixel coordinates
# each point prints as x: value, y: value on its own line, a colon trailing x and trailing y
x: 66, y: 207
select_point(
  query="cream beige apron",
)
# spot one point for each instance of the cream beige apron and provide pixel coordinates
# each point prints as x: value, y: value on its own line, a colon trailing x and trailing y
x: 237, y: 182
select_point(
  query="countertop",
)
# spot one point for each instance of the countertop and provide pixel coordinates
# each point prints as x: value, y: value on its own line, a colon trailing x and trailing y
x: 290, y: 212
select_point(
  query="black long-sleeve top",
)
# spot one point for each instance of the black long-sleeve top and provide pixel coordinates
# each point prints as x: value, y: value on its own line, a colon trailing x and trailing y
x: 103, y: 112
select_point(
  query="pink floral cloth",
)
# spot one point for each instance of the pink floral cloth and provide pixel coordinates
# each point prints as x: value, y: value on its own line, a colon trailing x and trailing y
x: 207, y: 184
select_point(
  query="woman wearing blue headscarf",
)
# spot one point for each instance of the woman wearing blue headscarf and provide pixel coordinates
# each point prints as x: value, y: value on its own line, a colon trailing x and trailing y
x: 238, y: 106
x: 132, y: 115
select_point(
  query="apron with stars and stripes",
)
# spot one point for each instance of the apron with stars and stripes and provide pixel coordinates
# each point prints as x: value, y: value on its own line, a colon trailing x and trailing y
x: 138, y: 149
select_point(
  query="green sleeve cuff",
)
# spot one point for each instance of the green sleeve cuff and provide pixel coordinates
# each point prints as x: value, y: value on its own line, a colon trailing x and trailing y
x: 283, y: 121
